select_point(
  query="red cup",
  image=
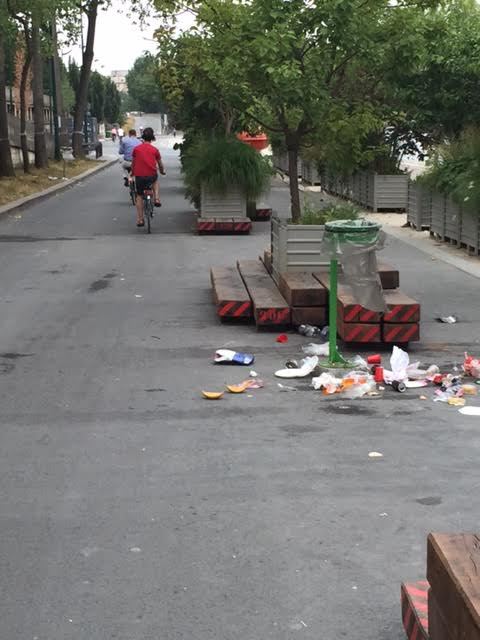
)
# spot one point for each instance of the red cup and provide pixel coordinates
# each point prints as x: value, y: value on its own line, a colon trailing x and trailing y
x: 375, y: 359
x: 378, y: 375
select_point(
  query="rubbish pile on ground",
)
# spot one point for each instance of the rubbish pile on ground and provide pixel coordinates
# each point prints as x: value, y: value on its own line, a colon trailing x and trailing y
x: 362, y: 377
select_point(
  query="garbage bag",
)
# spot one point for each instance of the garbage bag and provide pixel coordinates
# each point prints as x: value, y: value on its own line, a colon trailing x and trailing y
x: 354, y: 243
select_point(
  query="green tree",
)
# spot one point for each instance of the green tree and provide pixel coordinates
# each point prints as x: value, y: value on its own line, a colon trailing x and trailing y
x: 96, y: 95
x: 144, y: 85
x: 113, y: 112
x: 73, y: 74
x: 6, y: 164
x: 297, y: 69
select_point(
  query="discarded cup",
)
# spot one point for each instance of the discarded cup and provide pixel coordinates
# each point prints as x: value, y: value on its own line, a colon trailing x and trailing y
x: 282, y: 338
x: 399, y: 386
x: 375, y: 359
x: 378, y: 374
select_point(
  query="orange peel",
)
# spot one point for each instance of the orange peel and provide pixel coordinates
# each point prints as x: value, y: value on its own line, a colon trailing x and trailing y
x: 212, y: 395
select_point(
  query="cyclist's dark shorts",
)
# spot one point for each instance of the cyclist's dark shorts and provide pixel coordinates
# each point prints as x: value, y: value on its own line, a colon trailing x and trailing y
x: 144, y: 182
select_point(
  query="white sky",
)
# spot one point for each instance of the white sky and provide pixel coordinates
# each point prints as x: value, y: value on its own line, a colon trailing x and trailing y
x: 118, y: 42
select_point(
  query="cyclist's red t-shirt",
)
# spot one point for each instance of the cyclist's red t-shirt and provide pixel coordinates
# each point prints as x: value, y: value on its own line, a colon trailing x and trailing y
x: 144, y: 160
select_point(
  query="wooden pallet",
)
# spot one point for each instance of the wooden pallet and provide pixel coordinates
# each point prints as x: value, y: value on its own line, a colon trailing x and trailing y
x: 267, y: 260
x: 229, y: 294
x: 316, y: 316
x: 219, y: 226
x: 358, y: 331
x: 261, y: 214
x: 400, y: 333
x: 269, y: 307
x: 401, y: 308
x: 453, y: 575
x: 414, y: 599
x: 302, y: 290
x: 389, y: 276
x: 348, y: 309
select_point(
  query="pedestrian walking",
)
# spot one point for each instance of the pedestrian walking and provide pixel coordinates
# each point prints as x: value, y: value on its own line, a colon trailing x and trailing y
x: 114, y: 133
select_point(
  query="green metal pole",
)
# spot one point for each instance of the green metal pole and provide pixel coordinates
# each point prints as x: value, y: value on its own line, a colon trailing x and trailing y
x: 332, y: 312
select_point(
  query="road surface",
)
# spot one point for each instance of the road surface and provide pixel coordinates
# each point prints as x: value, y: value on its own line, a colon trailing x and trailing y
x: 133, y: 509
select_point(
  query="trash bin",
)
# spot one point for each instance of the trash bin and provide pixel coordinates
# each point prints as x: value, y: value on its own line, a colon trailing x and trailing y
x: 352, y: 243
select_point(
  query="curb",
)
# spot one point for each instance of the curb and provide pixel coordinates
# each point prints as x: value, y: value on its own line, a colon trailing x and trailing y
x: 56, y: 188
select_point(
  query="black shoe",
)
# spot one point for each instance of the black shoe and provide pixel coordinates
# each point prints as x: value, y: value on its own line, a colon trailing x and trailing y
x: 140, y: 224
x: 125, y: 182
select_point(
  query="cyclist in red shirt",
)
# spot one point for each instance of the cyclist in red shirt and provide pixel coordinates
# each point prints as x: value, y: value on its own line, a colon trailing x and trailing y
x: 145, y: 159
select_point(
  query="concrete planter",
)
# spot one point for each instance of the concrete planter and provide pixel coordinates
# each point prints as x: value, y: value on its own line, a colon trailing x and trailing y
x: 232, y: 204
x: 296, y: 247
x: 371, y: 190
x: 437, y: 225
x: 419, y: 211
x: 453, y: 221
x: 470, y: 232
x: 310, y: 173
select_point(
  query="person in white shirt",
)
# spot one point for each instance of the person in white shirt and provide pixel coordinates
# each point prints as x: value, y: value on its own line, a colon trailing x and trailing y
x: 120, y: 134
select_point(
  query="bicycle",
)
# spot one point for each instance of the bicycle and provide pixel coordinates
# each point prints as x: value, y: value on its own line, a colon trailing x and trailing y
x: 148, y: 206
x: 131, y: 189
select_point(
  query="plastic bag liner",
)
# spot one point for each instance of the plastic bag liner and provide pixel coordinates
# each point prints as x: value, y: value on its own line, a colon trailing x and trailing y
x: 354, y: 243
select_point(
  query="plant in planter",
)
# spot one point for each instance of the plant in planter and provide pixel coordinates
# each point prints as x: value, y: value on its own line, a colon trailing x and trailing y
x: 298, y: 246
x: 221, y: 174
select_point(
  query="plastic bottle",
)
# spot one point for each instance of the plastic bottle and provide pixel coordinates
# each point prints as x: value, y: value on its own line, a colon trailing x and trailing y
x: 309, y: 330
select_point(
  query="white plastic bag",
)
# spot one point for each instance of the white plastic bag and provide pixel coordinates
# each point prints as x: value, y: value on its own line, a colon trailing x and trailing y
x: 313, y: 349
x: 307, y: 365
x: 399, y: 361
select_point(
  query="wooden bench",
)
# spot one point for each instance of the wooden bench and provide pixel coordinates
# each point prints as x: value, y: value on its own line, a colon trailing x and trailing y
x: 453, y: 571
x: 301, y: 289
x: 269, y: 306
x: 229, y: 294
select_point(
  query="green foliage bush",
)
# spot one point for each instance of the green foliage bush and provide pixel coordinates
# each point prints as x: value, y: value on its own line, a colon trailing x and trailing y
x: 454, y: 169
x: 344, y: 211
x: 221, y: 163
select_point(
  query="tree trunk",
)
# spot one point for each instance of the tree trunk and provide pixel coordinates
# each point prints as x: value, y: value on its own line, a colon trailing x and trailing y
x: 293, y: 181
x: 41, y: 156
x: 23, y: 106
x: 82, y: 93
x: 6, y: 164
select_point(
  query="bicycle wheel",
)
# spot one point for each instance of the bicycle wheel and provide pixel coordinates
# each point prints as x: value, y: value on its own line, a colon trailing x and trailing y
x: 148, y: 213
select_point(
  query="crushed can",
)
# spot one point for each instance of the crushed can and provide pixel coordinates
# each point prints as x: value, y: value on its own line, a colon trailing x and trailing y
x: 399, y: 386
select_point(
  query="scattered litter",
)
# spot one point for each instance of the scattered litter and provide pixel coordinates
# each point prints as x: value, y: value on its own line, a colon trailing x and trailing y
x: 316, y: 349
x: 122, y: 279
x: 470, y: 411
x: 225, y: 356
x: 354, y: 385
x: 354, y: 587
x: 423, y: 398
x: 360, y: 363
x: 137, y: 295
x: 282, y: 338
x: 383, y: 515
x: 456, y: 402
x: 469, y: 389
x: 52, y: 177
x: 237, y: 388
x: 255, y: 384
x: 448, y: 319
x: 291, y: 364
x: 284, y: 387
x: 399, y: 386
x: 374, y: 359
x: 307, y: 365
x: 135, y: 549
x: 375, y: 454
x: 309, y: 330
x: 381, y: 388
x: 253, y: 374
x: 471, y: 366
x: 378, y: 374
x: 212, y: 395
x: 416, y: 384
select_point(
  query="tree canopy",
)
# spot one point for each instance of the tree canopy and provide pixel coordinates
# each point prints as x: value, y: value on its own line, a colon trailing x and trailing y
x: 144, y: 86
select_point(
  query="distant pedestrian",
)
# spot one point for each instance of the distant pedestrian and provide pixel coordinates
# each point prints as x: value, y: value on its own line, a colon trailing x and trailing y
x: 174, y: 132
x: 120, y: 134
x: 114, y: 133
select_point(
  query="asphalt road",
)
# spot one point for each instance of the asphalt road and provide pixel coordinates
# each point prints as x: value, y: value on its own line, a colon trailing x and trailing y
x: 133, y: 509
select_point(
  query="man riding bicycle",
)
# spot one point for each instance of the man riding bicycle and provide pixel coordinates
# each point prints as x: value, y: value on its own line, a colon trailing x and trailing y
x: 145, y: 160
x: 126, y: 149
